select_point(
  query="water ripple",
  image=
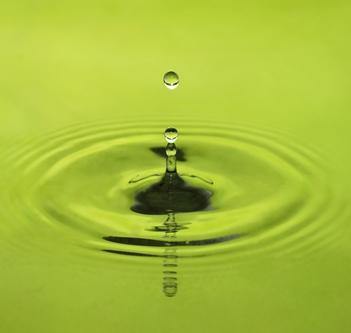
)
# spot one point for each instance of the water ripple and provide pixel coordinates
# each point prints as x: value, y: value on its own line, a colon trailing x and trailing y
x: 271, y: 194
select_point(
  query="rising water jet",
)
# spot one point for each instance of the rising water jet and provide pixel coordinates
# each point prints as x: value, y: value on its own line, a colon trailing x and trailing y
x: 172, y: 194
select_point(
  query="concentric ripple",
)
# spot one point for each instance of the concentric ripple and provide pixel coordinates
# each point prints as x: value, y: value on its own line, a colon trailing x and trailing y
x: 270, y: 194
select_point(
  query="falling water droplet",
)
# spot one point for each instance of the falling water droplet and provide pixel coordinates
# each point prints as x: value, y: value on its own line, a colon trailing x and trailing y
x: 171, y: 134
x: 171, y: 80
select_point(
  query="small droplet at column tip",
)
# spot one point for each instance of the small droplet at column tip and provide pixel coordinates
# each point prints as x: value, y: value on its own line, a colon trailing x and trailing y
x: 171, y: 134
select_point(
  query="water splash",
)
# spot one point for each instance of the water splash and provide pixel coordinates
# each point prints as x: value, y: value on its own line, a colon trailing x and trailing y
x: 171, y: 194
x: 271, y: 195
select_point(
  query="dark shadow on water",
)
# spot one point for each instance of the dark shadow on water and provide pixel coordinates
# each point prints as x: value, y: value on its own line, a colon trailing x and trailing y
x: 163, y: 243
x: 171, y: 194
x: 128, y: 253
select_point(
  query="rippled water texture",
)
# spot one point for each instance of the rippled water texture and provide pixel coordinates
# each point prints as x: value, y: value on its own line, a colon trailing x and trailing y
x: 260, y: 94
x: 270, y: 194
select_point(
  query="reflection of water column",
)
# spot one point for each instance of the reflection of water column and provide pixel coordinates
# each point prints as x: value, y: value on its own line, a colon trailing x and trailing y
x: 170, y: 261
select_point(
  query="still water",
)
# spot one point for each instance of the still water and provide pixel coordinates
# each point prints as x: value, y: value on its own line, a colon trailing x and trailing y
x: 262, y: 241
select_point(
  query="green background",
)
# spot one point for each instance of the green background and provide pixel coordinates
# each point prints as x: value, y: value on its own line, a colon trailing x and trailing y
x: 281, y: 64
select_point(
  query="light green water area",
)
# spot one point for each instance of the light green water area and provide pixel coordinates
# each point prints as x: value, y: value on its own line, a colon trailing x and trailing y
x: 263, y: 113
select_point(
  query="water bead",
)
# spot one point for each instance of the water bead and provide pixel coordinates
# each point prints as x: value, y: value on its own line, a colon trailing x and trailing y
x: 171, y: 80
x: 171, y: 134
x: 171, y: 150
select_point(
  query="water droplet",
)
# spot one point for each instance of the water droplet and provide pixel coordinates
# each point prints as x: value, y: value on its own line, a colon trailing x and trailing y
x: 171, y: 134
x: 171, y: 80
x: 171, y: 150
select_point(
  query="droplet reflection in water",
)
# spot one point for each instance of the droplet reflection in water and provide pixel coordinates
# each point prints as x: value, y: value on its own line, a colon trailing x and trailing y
x: 171, y: 80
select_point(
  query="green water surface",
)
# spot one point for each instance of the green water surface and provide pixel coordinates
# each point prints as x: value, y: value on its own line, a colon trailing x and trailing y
x: 263, y: 110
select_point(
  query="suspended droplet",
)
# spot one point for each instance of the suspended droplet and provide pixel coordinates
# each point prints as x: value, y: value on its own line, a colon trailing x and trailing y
x: 171, y: 134
x: 171, y: 150
x: 171, y: 80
